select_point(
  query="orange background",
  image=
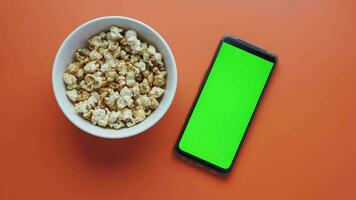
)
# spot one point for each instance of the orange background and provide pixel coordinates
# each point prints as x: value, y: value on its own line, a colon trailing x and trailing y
x: 301, y: 144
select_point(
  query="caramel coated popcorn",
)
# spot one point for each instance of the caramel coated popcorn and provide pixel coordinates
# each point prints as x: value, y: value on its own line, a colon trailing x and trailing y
x: 117, y: 80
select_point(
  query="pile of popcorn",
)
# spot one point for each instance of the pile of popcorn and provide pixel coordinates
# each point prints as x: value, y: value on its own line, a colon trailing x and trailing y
x: 117, y: 81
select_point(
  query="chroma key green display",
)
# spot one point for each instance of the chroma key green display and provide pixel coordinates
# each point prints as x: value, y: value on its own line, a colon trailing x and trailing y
x: 226, y: 104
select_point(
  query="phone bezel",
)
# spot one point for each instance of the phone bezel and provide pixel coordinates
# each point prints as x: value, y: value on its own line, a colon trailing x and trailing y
x: 251, y: 49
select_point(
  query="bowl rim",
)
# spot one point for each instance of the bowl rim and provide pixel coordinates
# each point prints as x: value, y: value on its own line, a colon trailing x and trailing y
x: 154, y: 120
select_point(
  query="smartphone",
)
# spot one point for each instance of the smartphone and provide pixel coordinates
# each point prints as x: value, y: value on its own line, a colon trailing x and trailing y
x: 227, y: 100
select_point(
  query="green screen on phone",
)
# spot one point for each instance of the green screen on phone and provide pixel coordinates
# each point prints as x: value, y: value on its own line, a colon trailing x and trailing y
x: 225, y: 106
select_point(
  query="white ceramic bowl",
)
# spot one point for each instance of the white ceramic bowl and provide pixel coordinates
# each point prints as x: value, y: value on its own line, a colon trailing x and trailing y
x: 78, y: 39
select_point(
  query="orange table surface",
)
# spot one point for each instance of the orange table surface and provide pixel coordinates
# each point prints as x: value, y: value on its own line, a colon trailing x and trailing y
x: 301, y: 144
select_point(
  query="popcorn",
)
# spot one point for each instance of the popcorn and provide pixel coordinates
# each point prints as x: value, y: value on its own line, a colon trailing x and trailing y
x: 136, y: 72
x: 121, y: 103
x: 108, y: 56
x: 150, y: 79
x: 80, y: 74
x: 138, y: 76
x: 89, y: 79
x: 126, y: 49
x: 155, y: 69
x: 148, y: 112
x: 92, y: 100
x: 114, y: 85
x: 139, y: 115
x: 130, y: 122
x: 144, y: 46
x: 95, y: 55
x: 122, y: 67
x: 71, y: 87
x: 99, y: 117
x: 114, y: 34
x: 111, y: 99
x: 135, y: 90
x: 72, y: 69
x: 95, y: 95
x: 146, y: 57
x: 91, y: 67
x: 110, y: 75
x: 81, y: 55
x: 82, y: 107
x: 92, y: 81
x: 150, y: 63
x: 72, y: 95
x: 128, y: 118
x: 153, y: 103
x: 113, y: 45
x: 156, y: 92
x: 87, y: 115
x: 113, y: 116
x: 115, y: 82
x: 116, y: 52
x: 105, y: 67
x: 69, y: 79
x: 157, y: 57
x: 125, y: 92
x: 113, y: 62
x: 87, y: 87
x: 151, y: 50
x: 102, y: 34
x: 144, y: 86
x: 159, y: 79
x: 96, y: 42
x: 102, y: 51
x: 130, y: 79
x: 146, y: 73
x: 121, y: 80
x: 143, y: 100
x: 123, y: 55
x: 126, y: 114
x: 134, y: 43
x: 116, y: 125
x: 135, y: 58
x: 82, y: 95
x: 141, y: 65
x: 84, y: 52
x: 103, y: 94
x: 130, y: 82
x: 98, y: 74
x: 130, y: 33
x: 120, y: 115
x: 128, y: 101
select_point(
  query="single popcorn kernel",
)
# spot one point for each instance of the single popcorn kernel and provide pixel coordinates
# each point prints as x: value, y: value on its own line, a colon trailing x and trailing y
x: 72, y: 95
x: 95, y: 55
x: 117, y: 81
x: 91, y: 67
x: 72, y: 69
x: 69, y: 79
x: 156, y: 92
x: 139, y: 115
x: 144, y: 86
x: 82, y: 107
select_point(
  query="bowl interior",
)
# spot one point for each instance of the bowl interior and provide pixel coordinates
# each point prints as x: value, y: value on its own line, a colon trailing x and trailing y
x: 78, y: 39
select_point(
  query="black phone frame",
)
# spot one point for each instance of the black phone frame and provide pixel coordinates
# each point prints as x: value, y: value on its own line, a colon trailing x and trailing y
x: 251, y: 49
